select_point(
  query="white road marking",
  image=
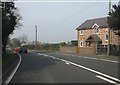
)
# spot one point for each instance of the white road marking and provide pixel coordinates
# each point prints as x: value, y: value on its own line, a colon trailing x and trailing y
x: 91, y: 70
x: 108, y: 80
x: 109, y: 60
x: 91, y: 58
x: 88, y: 69
x: 14, y: 71
x: 42, y: 54
x: 67, y: 63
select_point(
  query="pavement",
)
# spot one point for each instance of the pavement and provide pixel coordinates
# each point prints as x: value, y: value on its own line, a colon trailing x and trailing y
x: 115, y: 58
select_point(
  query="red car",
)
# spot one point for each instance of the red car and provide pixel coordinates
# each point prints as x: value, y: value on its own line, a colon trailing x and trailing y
x: 21, y: 50
x: 17, y: 49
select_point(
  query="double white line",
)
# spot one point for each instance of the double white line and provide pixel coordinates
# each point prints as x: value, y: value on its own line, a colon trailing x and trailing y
x: 100, y: 75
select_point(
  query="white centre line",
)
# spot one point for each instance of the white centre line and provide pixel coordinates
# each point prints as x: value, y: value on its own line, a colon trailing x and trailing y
x: 105, y: 79
x: 91, y: 70
x: 88, y: 69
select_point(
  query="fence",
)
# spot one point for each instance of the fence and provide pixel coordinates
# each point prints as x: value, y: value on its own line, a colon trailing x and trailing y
x: 114, y: 50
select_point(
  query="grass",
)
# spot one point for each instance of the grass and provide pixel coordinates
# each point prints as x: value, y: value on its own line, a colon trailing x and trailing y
x: 8, y: 57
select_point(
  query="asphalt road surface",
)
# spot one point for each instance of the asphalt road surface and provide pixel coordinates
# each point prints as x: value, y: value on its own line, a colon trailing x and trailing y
x: 63, y: 68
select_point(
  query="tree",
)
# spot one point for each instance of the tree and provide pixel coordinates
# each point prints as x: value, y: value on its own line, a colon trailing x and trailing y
x: 114, y: 19
x: 10, y: 21
x: 63, y: 43
x: 74, y: 42
x: 15, y: 42
x: 23, y: 39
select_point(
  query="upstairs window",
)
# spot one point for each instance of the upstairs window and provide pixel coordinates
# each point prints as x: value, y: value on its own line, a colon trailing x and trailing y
x: 96, y: 30
x: 81, y: 32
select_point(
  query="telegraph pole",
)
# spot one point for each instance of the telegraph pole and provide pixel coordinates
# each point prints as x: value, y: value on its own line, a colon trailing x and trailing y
x: 36, y: 37
x: 108, y: 49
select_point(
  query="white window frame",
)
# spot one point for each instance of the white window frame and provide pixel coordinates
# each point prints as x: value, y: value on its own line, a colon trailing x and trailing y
x: 80, y: 43
x: 105, y: 37
x: 81, y: 32
x: 95, y: 30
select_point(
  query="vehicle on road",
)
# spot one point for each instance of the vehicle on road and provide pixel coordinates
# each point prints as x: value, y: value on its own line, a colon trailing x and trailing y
x: 17, y: 49
x: 21, y: 50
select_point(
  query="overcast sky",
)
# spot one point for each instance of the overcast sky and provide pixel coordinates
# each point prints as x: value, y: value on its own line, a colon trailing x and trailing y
x: 56, y: 21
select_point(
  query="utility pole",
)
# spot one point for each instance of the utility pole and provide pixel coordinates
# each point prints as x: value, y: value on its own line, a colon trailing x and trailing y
x: 36, y: 37
x: 108, y: 49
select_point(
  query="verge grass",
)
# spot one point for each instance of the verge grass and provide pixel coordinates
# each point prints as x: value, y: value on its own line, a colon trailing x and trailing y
x: 8, y: 57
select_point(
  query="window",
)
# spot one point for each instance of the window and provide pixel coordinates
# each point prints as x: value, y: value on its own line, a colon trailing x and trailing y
x: 88, y: 44
x: 106, y: 37
x: 81, y: 32
x: 81, y: 43
x: 96, y: 30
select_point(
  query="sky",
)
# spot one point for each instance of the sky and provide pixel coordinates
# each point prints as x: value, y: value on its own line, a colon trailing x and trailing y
x: 56, y: 21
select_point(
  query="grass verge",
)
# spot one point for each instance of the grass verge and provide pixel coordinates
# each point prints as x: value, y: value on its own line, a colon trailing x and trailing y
x: 8, y: 57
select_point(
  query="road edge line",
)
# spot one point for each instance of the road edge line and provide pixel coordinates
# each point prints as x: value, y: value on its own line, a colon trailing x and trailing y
x: 105, y: 79
x: 14, y: 71
x: 107, y: 60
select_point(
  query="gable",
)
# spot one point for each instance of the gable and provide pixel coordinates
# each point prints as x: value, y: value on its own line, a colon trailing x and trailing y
x: 93, y: 38
x: 88, y: 24
x: 95, y: 25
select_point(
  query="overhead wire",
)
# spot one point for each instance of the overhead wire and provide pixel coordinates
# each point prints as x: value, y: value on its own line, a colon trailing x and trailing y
x: 74, y: 15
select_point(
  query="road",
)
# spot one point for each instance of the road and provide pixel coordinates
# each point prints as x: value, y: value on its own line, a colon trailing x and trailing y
x: 63, y: 68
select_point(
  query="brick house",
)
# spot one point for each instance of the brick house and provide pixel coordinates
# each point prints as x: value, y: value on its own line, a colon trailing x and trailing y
x: 94, y: 32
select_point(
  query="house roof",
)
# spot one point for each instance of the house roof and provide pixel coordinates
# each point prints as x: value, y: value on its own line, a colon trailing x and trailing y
x: 94, y: 38
x: 101, y: 22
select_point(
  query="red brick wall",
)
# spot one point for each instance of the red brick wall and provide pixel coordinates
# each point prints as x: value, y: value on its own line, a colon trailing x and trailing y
x: 71, y: 49
x: 87, y: 50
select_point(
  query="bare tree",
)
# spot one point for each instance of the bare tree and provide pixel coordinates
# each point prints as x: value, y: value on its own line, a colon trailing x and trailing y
x: 23, y: 39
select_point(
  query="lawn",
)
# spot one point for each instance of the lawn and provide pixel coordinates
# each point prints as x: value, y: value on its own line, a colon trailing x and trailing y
x: 8, y: 57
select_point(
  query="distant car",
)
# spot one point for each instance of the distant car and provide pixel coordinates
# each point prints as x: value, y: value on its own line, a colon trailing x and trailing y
x: 21, y: 50
x: 17, y: 49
